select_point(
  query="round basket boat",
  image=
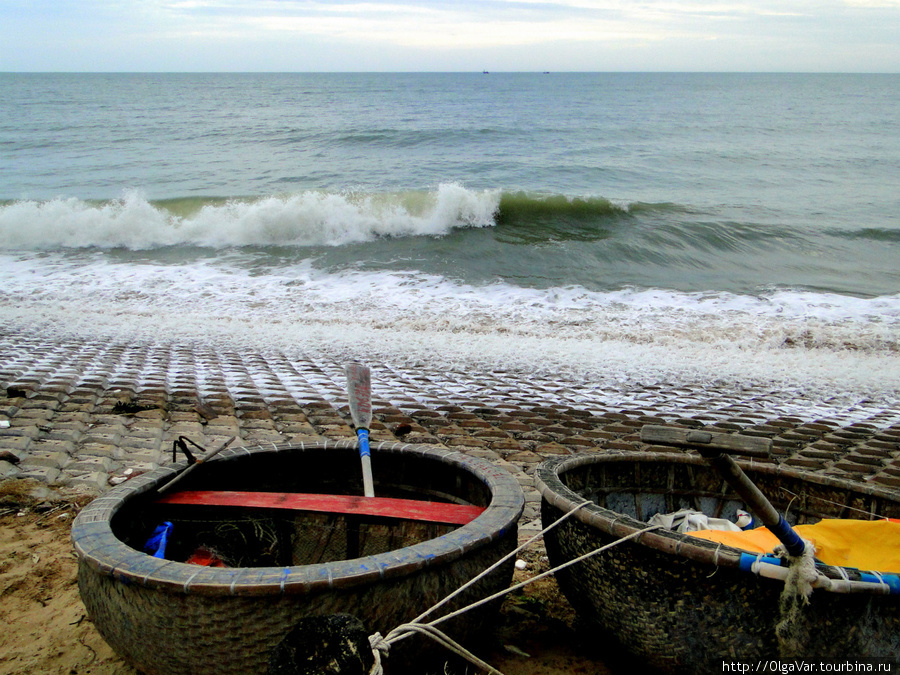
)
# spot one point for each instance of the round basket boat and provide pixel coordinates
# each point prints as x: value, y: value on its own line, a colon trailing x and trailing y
x: 683, y: 604
x: 164, y: 615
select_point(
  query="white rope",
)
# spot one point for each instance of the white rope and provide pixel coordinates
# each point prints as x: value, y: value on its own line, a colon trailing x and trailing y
x: 881, y: 581
x: 715, y: 560
x: 545, y: 574
x: 844, y: 581
x: 381, y: 645
x: 872, y: 516
x: 502, y: 560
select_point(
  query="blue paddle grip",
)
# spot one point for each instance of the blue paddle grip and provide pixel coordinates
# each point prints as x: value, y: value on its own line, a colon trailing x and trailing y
x: 363, y: 435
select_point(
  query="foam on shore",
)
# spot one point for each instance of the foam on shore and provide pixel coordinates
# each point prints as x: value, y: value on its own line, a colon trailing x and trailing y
x: 406, y: 382
x: 815, y: 346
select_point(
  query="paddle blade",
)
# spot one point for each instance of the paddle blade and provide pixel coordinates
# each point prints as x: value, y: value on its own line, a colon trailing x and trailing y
x: 359, y: 390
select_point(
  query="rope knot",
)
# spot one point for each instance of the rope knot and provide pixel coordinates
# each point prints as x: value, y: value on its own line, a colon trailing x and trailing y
x: 379, y: 646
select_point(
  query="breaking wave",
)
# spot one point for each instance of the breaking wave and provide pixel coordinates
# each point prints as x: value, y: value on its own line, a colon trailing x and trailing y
x: 306, y: 219
x: 309, y: 218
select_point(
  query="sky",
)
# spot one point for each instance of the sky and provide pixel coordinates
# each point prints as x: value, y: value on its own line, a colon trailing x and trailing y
x: 449, y: 35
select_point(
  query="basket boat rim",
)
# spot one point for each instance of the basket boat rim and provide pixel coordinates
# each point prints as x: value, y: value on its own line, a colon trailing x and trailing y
x: 554, y: 492
x: 98, y: 547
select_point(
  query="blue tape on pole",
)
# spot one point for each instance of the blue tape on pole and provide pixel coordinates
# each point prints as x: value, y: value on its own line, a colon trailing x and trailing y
x: 363, y: 435
x: 748, y: 560
x: 786, y: 535
x: 892, y: 581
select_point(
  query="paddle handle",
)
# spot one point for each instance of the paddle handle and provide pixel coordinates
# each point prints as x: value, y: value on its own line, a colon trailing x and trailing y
x: 365, y: 459
x: 713, y: 447
x: 193, y: 466
x: 756, y: 501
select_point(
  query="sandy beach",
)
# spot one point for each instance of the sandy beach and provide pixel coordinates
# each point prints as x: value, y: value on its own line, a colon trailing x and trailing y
x: 85, y: 415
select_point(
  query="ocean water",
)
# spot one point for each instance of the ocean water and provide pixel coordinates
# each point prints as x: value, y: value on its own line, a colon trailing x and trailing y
x: 609, y: 230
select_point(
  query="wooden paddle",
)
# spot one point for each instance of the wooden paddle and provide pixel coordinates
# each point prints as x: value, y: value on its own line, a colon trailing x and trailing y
x: 713, y: 448
x: 193, y: 466
x: 359, y: 391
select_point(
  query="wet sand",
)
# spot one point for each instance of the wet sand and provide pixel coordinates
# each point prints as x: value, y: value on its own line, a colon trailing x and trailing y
x: 85, y: 415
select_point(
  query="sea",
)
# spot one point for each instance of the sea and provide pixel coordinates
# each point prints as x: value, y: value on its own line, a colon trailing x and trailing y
x: 608, y: 230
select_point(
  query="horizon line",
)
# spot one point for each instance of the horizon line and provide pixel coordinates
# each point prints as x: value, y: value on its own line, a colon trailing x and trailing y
x: 449, y: 72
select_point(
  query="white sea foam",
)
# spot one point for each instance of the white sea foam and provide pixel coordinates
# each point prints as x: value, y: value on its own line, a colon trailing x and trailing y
x: 804, y: 342
x: 304, y: 219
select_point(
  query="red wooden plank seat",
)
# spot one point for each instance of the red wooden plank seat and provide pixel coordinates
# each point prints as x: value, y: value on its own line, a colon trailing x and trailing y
x: 386, y: 507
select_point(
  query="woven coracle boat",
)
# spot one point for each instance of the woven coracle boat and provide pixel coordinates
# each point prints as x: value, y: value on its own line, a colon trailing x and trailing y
x: 686, y: 605
x: 286, y: 563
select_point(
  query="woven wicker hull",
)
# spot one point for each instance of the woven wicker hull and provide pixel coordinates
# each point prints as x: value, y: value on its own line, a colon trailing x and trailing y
x: 680, y: 604
x: 170, y: 617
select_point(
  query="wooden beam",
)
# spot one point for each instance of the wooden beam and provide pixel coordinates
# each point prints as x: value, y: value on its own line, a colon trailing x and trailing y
x: 383, y: 507
x: 707, y: 441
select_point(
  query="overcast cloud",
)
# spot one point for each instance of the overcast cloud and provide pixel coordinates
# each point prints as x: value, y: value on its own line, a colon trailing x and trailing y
x: 496, y: 35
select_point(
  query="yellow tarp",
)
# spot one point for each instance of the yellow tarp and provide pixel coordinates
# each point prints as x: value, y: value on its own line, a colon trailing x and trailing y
x: 863, y: 544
